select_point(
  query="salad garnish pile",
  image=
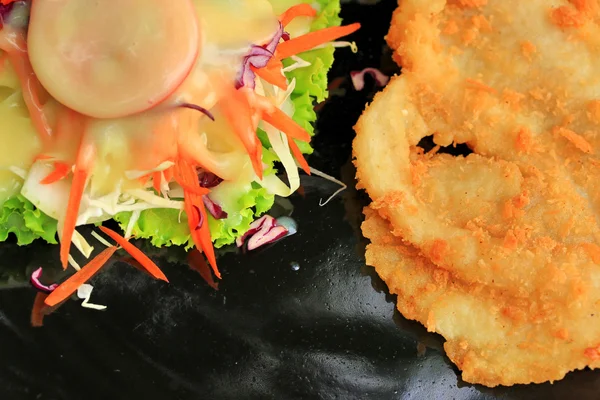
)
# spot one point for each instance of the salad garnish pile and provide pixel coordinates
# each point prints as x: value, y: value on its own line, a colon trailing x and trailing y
x: 166, y: 116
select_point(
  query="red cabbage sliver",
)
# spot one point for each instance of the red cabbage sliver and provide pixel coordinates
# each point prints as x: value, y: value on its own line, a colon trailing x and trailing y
x: 358, y: 77
x: 258, y: 57
x: 267, y: 230
x: 198, y: 108
x: 255, y: 227
x: 272, y: 45
x: 200, y: 217
x: 213, y: 208
x: 37, y: 283
x: 266, y: 236
x: 208, y: 179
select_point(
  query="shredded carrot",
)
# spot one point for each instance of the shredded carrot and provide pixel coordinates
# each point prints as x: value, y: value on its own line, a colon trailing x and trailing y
x: 61, y: 171
x: 272, y: 76
x: 37, y: 312
x: 200, y: 191
x: 168, y: 174
x: 194, y: 205
x: 280, y: 120
x: 299, y: 10
x: 157, y: 181
x: 68, y: 287
x: 198, y: 263
x: 77, y: 188
x: 238, y: 112
x: 181, y: 181
x: 298, y: 155
x: 136, y: 253
x: 7, y: 2
x: 31, y: 90
x: 85, y: 159
x: 313, y: 39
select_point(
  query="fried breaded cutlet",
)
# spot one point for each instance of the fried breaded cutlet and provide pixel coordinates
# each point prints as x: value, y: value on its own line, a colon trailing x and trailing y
x: 514, y: 226
x: 494, y: 338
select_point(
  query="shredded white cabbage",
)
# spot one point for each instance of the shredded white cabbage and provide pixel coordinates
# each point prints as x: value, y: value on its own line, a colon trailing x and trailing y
x: 299, y: 63
x: 20, y: 172
x: 280, y: 146
x: 73, y: 263
x: 339, y: 44
x: 84, y: 292
x: 101, y: 239
x: 82, y: 245
x: 135, y: 216
x: 135, y: 174
x: 153, y: 201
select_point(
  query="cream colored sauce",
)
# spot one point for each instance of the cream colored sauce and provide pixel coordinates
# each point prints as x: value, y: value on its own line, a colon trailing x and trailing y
x: 19, y: 143
x: 236, y: 23
x: 130, y: 143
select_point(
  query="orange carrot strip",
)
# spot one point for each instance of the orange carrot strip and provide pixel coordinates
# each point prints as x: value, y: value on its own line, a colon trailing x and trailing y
x: 198, y: 190
x: 37, y: 312
x: 77, y: 188
x: 168, y: 174
x: 280, y: 120
x: 299, y: 10
x: 61, y: 170
x: 136, y: 253
x: 85, y: 158
x: 31, y: 89
x: 274, y: 77
x: 193, y: 205
x: 313, y: 39
x: 298, y: 155
x: 68, y: 287
x: 156, y: 181
x: 238, y: 112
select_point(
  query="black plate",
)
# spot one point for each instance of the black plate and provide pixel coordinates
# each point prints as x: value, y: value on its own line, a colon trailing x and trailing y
x: 303, y: 319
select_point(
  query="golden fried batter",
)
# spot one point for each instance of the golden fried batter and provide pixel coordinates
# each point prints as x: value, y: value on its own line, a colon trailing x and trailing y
x: 519, y: 82
x: 493, y: 338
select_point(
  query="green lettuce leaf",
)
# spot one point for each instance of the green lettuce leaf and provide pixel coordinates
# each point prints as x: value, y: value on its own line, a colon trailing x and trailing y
x: 20, y: 217
x: 243, y: 203
x: 162, y: 226
x: 311, y: 81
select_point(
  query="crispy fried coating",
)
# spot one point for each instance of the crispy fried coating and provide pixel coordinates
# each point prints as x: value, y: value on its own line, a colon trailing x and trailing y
x: 494, y: 338
x: 519, y: 82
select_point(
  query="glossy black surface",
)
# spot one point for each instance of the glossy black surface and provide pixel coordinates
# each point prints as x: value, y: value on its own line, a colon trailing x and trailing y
x: 325, y: 330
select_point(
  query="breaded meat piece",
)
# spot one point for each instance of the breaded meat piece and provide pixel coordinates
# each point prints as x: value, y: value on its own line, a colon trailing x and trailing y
x: 505, y: 224
x: 494, y: 339
x: 516, y: 224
